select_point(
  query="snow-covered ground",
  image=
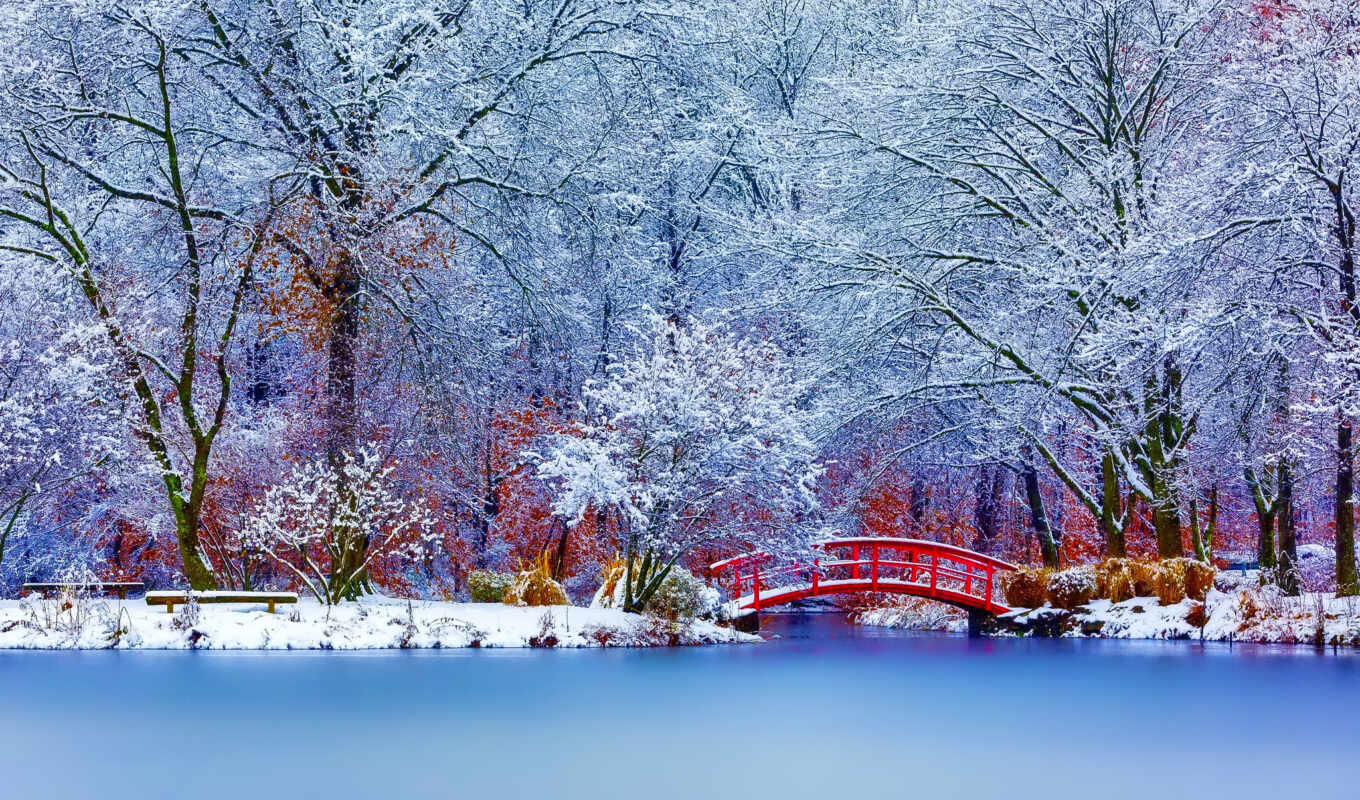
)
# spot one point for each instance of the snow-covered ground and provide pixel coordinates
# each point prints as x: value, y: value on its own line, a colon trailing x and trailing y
x: 373, y: 623
x: 913, y: 613
x: 1246, y: 614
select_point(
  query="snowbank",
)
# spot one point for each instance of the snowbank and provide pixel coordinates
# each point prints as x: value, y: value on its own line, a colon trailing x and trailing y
x: 913, y: 613
x: 373, y: 623
x: 1245, y: 615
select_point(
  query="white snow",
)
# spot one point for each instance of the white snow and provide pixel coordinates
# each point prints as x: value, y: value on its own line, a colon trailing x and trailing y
x: 1241, y: 614
x: 372, y: 623
x: 1245, y: 615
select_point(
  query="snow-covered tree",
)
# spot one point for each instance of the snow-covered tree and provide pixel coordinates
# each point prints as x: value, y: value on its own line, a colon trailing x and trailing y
x: 53, y: 373
x: 304, y: 523
x: 694, y: 437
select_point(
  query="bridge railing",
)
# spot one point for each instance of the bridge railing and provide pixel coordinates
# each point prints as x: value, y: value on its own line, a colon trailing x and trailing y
x: 913, y: 566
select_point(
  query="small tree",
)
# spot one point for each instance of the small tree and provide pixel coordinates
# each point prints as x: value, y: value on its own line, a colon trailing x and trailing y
x: 695, y: 438
x: 304, y: 522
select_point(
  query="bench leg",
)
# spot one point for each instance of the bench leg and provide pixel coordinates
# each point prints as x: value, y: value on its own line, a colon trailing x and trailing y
x: 169, y: 608
x: 271, y: 606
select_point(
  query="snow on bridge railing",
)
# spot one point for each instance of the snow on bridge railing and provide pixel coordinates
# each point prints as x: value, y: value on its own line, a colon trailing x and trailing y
x: 904, y: 566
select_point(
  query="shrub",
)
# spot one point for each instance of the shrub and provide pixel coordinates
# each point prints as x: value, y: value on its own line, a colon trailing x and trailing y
x: 1145, y: 576
x: 1171, y: 581
x: 1197, y: 615
x: 1072, y: 587
x: 1199, y: 579
x: 1026, y: 587
x: 536, y: 587
x: 1114, y: 580
x: 610, y: 593
x: 682, y: 596
x: 1179, y: 578
x: 485, y: 586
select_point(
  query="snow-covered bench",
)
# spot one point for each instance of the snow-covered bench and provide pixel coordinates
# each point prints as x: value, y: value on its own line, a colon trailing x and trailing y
x: 120, y: 587
x: 172, y: 599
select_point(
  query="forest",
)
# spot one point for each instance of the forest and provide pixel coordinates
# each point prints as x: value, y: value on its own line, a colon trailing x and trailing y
x: 347, y: 297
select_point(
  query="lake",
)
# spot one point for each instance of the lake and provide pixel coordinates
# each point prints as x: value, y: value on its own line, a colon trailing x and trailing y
x: 826, y: 710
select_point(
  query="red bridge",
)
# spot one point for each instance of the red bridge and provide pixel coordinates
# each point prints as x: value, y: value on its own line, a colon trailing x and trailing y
x: 902, y: 566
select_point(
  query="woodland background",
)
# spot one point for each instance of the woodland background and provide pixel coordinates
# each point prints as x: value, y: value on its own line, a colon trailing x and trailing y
x: 1050, y: 279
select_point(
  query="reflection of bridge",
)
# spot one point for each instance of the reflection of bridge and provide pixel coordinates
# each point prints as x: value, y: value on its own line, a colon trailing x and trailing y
x: 902, y: 566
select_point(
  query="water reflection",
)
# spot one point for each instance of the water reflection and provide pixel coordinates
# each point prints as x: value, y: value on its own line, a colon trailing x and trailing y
x: 825, y: 709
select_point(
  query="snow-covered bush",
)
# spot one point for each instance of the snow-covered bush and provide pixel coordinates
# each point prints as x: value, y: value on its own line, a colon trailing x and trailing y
x: 1025, y: 587
x: 536, y: 587
x: 1179, y: 578
x: 75, y: 614
x: 327, y: 525
x: 1072, y: 587
x: 695, y: 437
x: 1114, y: 580
x: 486, y: 586
x: 680, y: 596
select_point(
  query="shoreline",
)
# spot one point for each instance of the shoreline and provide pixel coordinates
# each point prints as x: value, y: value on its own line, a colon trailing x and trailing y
x: 1253, y: 615
x: 376, y: 623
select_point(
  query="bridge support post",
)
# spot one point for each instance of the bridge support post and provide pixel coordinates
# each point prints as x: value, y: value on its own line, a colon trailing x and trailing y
x: 976, y: 618
x: 747, y: 623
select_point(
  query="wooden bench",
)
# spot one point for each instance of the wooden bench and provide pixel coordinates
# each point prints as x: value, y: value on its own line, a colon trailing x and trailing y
x: 172, y: 599
x: 120, y: 587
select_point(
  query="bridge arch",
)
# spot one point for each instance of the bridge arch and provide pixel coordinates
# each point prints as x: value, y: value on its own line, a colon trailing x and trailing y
x: 915, y: 567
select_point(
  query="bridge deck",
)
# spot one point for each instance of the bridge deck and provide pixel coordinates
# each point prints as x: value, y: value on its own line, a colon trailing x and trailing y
x: 932, y: 570
x: 778, y: 595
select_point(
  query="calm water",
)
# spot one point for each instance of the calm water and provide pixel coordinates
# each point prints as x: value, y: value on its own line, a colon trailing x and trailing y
x: 826, y: 711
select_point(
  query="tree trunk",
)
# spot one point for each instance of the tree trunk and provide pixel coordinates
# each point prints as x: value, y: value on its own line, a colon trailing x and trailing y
x: 188, y: 514
x: 1344, y: 230
x: 1109, y: 508
x: 987, y: 506
x: 1265, y: 522
x: 920, y: 502
x: 1048, y: 544
x: 1202, y: 534
x: 1346, y: 583
x: 1166, y: 522
x: 342, y: 421
x: 1287, y: 572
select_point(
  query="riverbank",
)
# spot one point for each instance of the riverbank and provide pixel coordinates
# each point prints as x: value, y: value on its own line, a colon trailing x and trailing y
x: 1244, y: 614
x: 374, y: 623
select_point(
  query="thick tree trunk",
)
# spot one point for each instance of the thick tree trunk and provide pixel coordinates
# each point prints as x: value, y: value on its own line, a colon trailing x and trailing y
x: 347, y: 579
x: 1166, y: 522
x: 1287, y: 572
x: 1346, y: 583
x: 1344, y: 230
x: 1048, y: 544
x: 1266, y: 512
x: 987, y: 507
x: 1110, y: 511
x: 188, y: 514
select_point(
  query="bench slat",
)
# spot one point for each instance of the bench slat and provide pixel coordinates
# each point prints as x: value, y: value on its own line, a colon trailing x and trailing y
x: 121, y: 587
x: 172, y: 599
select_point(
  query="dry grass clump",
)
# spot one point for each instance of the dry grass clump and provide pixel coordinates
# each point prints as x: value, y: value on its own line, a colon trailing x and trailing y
x: 1114, y: 580
x: 1072, y: 587
x: 1179, y: 578
x: 1026, y: 587
x: 536, y: 587
x: 1171, y: 581
x: 1145, y: 574
x: 612, y: 573
x: 1199, y: 579
x: 1198, y: 615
